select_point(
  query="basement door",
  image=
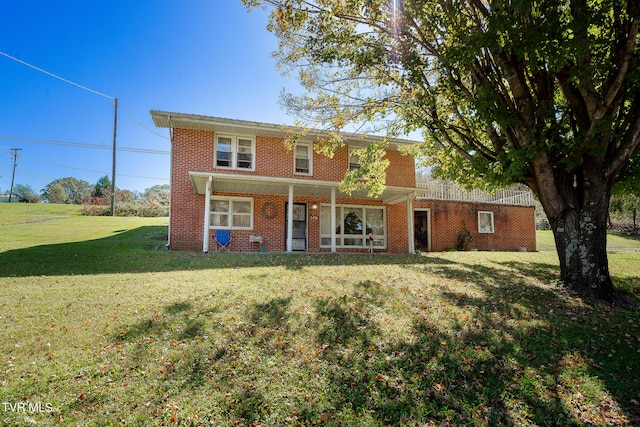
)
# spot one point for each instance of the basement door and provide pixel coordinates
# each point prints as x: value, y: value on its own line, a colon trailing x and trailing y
x: 299, y: 236
x: 422, y: 231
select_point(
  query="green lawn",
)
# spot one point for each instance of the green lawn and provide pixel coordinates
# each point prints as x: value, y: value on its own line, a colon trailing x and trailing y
x: 100, y: 327
x: 616, y: 242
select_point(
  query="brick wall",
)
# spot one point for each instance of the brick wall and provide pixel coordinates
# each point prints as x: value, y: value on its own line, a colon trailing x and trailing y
x: 397, y: 233
x: 193, y: 150
x: 514, y: 226
x: 269, y: 221
x: 401, y: 171
x: 274, y: 159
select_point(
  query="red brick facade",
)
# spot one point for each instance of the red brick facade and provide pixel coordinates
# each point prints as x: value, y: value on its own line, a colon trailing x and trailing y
x: 190, y: 150
x: 514, y: 226
x: 193, y: 151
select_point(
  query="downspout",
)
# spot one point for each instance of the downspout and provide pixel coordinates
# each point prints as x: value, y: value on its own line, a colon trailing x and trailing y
x: 170, y: 180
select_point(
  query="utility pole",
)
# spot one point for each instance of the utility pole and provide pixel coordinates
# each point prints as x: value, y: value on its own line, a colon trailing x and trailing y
x: 113, y: 170
x: 13, y: 175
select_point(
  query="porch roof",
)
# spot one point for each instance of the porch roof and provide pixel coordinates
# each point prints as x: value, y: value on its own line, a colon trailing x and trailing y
x: 257, y: 184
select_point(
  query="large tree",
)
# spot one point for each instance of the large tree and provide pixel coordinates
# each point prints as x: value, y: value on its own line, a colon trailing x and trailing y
x: 26, y: 193
x: 544, y: 93
x: 158, y: 193
x: 102, y: 188
x: 67, y: 190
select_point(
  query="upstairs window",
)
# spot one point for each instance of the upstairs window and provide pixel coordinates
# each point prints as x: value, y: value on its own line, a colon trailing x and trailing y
x: 235, y: 152
x: 245, y: 154
x: 354, y: 160
x: 224, y: 152
x: 355, y: 165
x: 303, y: 155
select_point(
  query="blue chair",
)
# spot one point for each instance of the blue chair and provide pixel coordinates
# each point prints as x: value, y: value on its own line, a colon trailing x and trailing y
x: 223, y: 240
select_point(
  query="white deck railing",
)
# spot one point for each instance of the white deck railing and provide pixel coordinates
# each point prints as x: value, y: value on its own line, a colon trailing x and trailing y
x: 447, y: 190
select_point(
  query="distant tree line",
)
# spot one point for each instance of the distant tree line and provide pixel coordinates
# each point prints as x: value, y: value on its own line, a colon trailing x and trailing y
x: 96, y: 198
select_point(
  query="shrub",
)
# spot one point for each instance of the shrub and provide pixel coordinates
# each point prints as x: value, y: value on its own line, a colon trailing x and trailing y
x: 95, y: 210
x: 141, y: 209
x: 464, y: 238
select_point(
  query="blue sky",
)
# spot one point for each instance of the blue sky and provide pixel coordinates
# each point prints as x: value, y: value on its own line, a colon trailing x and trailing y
x: 208, y: 57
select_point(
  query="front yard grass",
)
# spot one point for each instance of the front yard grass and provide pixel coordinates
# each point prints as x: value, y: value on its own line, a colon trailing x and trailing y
x: 616, y: 242
x: 99, y: 327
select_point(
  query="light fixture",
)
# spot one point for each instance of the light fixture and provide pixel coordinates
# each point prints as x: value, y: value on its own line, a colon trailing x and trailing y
x: 314, y: 206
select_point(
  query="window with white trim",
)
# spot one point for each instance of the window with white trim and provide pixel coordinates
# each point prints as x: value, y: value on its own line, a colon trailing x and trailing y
x: 231, y: 213
x: 485, y: 222
x: 356, y: 226
x: 354, y: 159
x: 235, y: 152
x: 302, y: 159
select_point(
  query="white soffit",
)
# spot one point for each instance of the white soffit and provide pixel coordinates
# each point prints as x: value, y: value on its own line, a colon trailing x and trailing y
x: 165, y: 119
x: 250, y: 184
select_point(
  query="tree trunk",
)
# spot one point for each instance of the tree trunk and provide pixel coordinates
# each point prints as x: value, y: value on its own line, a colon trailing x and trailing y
x: 580, y: 233
x: 581, y: 242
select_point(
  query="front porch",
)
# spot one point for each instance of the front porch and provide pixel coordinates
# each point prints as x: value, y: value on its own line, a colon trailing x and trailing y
x: 293, y: 214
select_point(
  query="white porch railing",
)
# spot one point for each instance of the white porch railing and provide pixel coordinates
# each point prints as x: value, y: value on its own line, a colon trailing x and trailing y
x: 447, y: 190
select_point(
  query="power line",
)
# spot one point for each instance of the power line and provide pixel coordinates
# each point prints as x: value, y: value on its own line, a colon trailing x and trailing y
x: 155, y: 178
x: 79, y: 144
x: 84, y: 145
x: 101, y: 172
x: 142, y: 124
x: 83, y: 88
x: 28, y: 173
x: 57, y: 77
x: 63, y: 166
x: 115, y: 118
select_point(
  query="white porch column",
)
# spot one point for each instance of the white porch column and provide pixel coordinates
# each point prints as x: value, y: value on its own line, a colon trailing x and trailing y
x: 333, y: 220
x: 207, y: 216
x: 410, y: 231
x: 290, y: 220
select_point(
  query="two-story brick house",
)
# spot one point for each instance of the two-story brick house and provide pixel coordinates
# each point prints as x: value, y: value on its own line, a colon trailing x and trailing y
x: 239, y: 175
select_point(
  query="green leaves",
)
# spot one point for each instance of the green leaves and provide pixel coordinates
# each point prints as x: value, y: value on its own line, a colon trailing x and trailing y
x: 535, y: 92
x: 372, y: 172
x: 493, y: 81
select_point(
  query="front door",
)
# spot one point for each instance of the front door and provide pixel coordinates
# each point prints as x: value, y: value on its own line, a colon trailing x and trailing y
x: 299, y: 236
